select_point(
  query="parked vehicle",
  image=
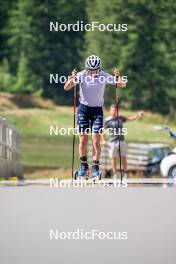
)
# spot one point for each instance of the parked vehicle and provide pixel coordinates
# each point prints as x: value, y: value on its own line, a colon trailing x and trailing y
x: 168, y: 165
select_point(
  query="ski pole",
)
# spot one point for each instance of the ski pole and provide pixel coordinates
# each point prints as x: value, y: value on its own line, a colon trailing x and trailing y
x: 74, y: 124
x: 118, y: 126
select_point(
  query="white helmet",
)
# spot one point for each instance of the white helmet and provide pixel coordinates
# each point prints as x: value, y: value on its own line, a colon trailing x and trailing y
x: 93, y: 62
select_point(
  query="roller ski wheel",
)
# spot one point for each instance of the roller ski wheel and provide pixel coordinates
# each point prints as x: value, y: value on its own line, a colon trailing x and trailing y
x: 75, y: 175
x: 96, y: 176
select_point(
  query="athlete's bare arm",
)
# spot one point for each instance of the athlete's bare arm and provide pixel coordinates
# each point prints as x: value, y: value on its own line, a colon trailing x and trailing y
x: 70, y: 83
x: 135, y: 117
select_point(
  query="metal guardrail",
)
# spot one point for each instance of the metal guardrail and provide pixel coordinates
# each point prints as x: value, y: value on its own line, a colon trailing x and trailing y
x: 10, y: 151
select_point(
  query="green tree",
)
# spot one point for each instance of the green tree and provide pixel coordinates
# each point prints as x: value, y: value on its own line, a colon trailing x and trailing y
x: 147, y: 66
x: 46, y: 52
x: 169, y: 39
x: 27, y: 82
x: 62, y: 48
x: 145, y: 53
x: 111, y: 46
x: 5, y: 6
x: 7, y: 80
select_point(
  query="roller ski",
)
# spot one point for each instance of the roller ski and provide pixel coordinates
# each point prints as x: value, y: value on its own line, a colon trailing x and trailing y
x: 96, y: 173
x: 83, y: 173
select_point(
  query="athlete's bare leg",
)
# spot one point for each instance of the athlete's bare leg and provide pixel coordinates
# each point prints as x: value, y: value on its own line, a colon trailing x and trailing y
x: 83, y: 140
x: 96, y: 146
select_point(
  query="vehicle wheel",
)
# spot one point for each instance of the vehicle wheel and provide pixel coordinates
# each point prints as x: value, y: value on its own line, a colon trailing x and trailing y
x: 172, y: 172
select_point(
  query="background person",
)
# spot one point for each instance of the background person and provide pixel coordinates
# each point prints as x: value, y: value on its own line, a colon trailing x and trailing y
x: 116, y: 131
x: 90, y: 111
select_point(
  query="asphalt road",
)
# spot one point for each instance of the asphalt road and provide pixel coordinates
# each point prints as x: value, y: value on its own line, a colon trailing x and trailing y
x: 30, y: 213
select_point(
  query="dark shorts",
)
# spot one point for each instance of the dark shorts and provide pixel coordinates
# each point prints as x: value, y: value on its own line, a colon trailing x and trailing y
x: 89, y: 117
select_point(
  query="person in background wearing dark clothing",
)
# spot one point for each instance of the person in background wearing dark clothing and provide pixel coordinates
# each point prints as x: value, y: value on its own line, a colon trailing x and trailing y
x: 116, y: 130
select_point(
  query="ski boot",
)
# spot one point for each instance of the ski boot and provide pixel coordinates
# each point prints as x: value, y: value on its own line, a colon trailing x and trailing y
x: 96, y: 174
x: 83, y: 172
